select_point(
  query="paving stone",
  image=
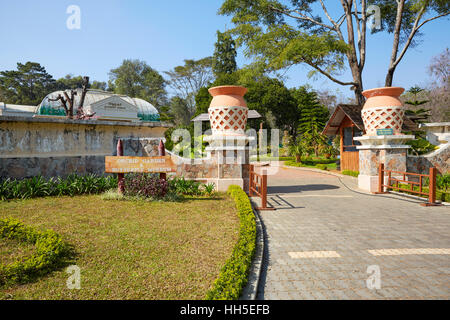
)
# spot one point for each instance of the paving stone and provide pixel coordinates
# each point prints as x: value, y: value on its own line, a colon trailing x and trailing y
x: 351, y: 226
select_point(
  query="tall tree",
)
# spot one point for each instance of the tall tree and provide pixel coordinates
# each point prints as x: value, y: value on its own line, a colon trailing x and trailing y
x: 224, y: 59
x: 187, y: 80
x: 27, y: 85
x: 137, y: 79
x: 417, y: 114
x: 279, y: 34
x: 71, y: 82
x: 313, y: 115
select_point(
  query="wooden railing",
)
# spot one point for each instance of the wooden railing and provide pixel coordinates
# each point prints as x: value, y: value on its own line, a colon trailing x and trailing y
x: 258, y: 187
x: 393, y: 183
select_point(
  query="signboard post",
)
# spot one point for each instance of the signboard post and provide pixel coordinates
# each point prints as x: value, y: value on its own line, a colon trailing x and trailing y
x: 122, y: 164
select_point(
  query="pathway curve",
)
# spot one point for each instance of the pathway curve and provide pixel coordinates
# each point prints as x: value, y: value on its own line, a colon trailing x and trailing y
x: 325, y: 241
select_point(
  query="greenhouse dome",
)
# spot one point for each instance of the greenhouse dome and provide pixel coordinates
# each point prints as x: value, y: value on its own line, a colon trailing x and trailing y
x: 104, y: 105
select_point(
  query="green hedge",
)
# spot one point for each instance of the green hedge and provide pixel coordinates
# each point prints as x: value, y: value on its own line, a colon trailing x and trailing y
x: 41, y: 187
x: 50, y: 252
x: 440, y: 194
x: 233, y: 276
x: 351, y: 173
x: 321, y: 166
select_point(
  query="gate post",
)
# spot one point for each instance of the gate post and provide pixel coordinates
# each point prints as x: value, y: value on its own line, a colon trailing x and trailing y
x: 120, y: 176
x: 432, y: 186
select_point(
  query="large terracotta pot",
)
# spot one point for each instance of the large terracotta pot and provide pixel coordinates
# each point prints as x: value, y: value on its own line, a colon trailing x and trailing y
x: 228, y: 110
x: 383, y: 110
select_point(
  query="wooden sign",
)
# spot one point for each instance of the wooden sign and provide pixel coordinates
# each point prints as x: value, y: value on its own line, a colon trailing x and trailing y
x: 385, y: 132
x: 139, y: 164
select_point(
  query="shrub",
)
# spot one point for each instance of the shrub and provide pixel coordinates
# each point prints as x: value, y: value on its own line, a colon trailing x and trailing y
x: 41, y: 187
x: 185, y: 187
x: 50, y: 252
x: 145, y: 185
x: 233, y: 276
x: 321, y: 166
x: 351, y: 173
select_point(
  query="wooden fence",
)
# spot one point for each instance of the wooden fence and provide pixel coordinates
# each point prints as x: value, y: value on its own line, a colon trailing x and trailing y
x: 258, y: 187
x: 393, y: 183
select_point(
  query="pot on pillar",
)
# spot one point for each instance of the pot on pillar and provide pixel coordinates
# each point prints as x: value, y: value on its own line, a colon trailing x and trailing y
x: 228, y: 144
x: 383, y: 110
x: 228, y: 110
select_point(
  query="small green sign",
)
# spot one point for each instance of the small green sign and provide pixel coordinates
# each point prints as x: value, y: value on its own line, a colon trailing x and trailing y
x: 385, y: 132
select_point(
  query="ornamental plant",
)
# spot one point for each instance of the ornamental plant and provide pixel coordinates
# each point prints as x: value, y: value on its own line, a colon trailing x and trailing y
x: 50, y: 253
x: 145, y: 185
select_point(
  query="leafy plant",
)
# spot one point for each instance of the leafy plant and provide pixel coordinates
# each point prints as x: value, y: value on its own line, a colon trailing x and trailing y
x: 40, y: 187
x: 209, y: 188
x: 186, y: 187
x: 145, y: 185
x: 420, y: 146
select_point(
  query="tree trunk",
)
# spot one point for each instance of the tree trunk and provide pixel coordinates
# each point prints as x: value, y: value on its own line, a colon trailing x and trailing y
x: 397, y: 29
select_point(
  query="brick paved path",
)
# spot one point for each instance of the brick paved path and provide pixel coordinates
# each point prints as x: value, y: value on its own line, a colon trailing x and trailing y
x: 319, y: 236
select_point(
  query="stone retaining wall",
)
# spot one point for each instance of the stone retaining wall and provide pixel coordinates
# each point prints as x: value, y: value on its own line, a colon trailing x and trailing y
x: 58, y: 147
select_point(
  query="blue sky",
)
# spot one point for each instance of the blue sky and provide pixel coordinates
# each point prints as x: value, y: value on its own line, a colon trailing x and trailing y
x: 163, y: 33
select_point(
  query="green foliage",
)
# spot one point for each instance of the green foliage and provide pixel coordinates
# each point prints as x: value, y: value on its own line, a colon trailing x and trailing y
x: 350, y: 173
x: 443, y: 182
x: 28, y: 85
x: 224, y: 59
x: 321, y: 166
x: 50, y: 252
x: 181, y: 186
x: 233, y: 276
x: 268, y: 96
x: 420, y: 146
x: 188, y: 79
x: 313, y: 115
x: 71, y: 82
x: 137, y: 79
x: 41, y: 187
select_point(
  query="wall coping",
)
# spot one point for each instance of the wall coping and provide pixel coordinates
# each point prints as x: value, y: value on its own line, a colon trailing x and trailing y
x: 85, y: 122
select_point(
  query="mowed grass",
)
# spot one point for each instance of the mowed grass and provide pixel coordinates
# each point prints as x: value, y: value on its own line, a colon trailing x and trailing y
x: 129, y: 249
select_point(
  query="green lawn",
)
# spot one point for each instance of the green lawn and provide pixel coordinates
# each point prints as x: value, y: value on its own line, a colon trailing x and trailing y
x: 329, y: 166
x: 128, y: 249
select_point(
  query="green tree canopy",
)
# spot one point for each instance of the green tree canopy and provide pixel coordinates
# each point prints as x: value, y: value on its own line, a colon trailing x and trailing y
x: 188, y: 79
x: 224, y: 59
x: 137, y: 79
x: 29, y: 84
x: 280, y: 34
x: 266, y: 95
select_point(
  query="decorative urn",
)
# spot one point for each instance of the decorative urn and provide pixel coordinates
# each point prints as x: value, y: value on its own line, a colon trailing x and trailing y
x: 228, y: 110
x: 383, y: 110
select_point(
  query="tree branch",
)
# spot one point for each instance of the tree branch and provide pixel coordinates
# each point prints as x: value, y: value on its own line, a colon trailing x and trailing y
x: 329, y: 76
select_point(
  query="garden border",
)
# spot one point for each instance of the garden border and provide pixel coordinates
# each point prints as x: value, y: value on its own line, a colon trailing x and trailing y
x: 234, y: 274
x: 49, y: 253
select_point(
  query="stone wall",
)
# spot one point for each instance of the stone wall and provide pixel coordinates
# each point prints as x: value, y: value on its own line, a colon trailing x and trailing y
x: 439, y: 159
x: 58, y: 147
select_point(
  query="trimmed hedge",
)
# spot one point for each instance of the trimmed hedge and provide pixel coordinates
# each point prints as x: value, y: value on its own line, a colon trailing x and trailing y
x: 50, y: 252
x: 233, y: 276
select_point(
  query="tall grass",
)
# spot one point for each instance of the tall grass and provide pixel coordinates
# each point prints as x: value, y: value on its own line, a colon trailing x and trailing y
x: 41, y: 187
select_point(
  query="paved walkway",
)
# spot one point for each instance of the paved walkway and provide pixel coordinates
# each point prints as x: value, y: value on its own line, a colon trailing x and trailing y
x: 324, y: 238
